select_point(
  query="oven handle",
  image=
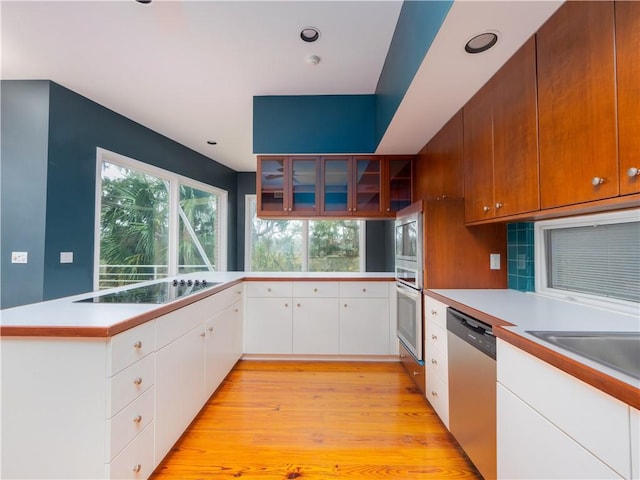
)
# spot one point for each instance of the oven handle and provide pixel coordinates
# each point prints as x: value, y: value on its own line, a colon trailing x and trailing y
x: 408, y: 291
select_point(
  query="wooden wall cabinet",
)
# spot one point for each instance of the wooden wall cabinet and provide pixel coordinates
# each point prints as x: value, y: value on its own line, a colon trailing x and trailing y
x: 577, y: 105
x: 288, y: 186
x: 443, y: 159
x: 501, y: 141
x: 455, y: 256
x: 628, y: 76
x: 351, y: 186
x: 362, y: 186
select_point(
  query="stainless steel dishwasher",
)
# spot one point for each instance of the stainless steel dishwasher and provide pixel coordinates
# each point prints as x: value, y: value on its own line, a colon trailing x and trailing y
x: 472, y: 389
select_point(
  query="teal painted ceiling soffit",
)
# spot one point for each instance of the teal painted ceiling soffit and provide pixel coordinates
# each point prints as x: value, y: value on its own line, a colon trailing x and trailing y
x: 350, y: 123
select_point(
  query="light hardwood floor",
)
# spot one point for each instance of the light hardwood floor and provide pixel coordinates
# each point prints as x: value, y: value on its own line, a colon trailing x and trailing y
x: 316, y: 420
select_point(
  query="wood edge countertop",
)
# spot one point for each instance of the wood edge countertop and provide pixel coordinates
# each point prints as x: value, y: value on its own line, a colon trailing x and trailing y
x: 618, y: 389
x: 65, y: 331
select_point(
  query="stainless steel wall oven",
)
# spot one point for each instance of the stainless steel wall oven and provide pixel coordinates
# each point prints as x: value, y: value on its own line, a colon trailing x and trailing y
x: 408, y: 266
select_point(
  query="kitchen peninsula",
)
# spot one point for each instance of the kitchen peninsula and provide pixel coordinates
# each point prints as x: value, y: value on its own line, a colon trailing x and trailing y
x: 97, y: 390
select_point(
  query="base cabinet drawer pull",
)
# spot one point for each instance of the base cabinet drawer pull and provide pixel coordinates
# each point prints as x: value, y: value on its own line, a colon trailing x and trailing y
x: 595, y: 181
x: 416, y: 374
x: 136, y: 468
x: 137, y: 419
x: 137, y: 345
x: 137, y: 380
x: 633, y: 172
x: 434, y: 394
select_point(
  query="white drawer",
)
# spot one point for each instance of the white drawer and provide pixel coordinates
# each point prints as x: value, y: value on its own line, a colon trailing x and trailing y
x: 174, y: 324
x: 438, y: 396
x: 364, y: 289
x: 130, y: 346
x: 435, y: 311
x: 129, y: 384
x: 269, y: 289
x: 436, y: 338
x: 219, y: 302
x: 315, y: 289
x: 437, y: 363
x: 127, y: 424
x: 553, y: 394
x: 136, y: 460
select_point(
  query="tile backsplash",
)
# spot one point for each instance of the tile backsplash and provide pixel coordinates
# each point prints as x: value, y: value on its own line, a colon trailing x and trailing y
x: 520, y: 251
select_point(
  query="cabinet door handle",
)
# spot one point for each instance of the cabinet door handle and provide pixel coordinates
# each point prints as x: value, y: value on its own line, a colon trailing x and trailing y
x: 211, y: 328
x: 202, y: 334
x: 286, y: 304
x: 633, y: 172
x: 298, y: 304
x: 434, y: 361
x: 315, y: 289
x: 136, y: 468
x: 137, y: 419
x: 415, y: 374
x: 137, y: 381
x: 486, y: 208
x: 499, y: 205
x: 345, y: 305
x: 434, y: 312
x: 434, y: 394
x: 595, y: 181
x: 364, y: 290
x: 137, y: 345
x: 388, y: 209
x: 434, y: 337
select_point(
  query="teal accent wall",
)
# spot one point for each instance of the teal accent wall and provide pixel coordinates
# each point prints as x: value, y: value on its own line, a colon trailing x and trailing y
x: 418, y: 24
x: 520, y: 256
x: 314, y: 124
x: 23, y: 189
x: 350, y: 123
x: 58, y: 209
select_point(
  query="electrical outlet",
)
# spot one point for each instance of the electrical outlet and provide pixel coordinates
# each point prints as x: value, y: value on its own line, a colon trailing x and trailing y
x: 19, y: 257
x: 66, y: 257
x: 494, y: 261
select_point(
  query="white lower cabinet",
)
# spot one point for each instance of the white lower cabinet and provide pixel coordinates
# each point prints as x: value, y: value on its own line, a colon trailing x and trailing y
x: 552, y: 425
x: 79, y: 408
x: 179, y: 388
x: 364, y: 326
x: 323, y: 318
x: 316, y: 326
x: 437, y: 358
x: 269, y: 325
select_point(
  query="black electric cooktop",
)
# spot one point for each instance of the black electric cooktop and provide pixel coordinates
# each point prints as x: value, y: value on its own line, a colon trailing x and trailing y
x: 162, y: 292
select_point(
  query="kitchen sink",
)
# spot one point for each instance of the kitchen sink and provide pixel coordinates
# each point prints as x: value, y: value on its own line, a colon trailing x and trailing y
x: 617, y: 350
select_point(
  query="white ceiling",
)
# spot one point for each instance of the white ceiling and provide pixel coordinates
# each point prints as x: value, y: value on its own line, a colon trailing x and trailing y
x: 189, y: 69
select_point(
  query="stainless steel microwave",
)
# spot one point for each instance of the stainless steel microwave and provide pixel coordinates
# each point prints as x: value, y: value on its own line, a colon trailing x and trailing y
x: 408, y: 243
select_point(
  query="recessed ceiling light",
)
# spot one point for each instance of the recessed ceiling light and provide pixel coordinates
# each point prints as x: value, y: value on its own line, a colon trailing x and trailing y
x: 310, y: 34
x: 481, y: 43
x: 212, y: 142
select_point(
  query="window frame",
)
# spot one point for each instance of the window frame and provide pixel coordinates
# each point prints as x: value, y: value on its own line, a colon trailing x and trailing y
x: 251, y: 203
x: 541, y: 274
x: 174, y: 180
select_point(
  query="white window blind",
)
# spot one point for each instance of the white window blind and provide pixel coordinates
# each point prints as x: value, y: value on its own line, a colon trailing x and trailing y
x: 600, y: 259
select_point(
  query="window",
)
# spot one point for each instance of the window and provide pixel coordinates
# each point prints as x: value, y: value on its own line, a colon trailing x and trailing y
x: 594, y: 259
x: 302, y: 245
x: 152, y: 223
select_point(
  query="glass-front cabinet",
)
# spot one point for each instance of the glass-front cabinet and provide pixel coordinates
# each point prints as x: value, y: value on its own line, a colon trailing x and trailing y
x: 367, y: 184
x: 287, y: 186
x: 364, y: 186
x: 399, y: 185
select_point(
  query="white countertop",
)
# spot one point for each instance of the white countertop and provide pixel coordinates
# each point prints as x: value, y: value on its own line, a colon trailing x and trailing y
x: 64, y: 313
x: 534, y: 312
